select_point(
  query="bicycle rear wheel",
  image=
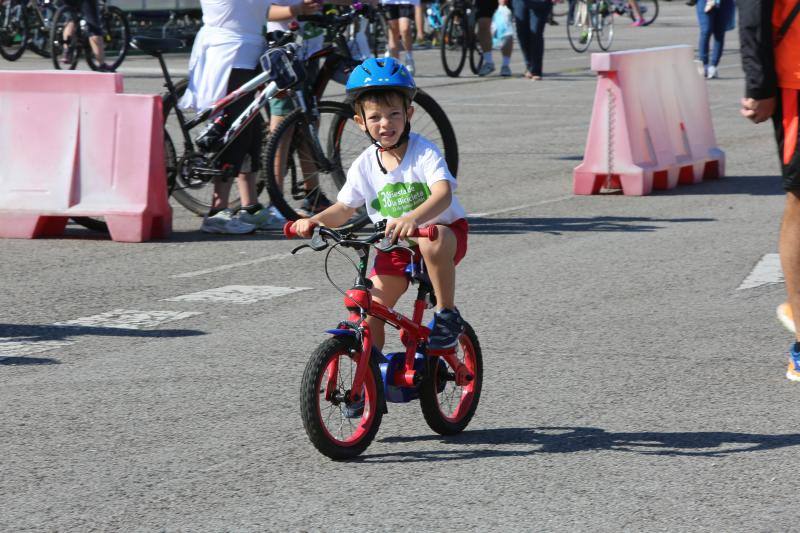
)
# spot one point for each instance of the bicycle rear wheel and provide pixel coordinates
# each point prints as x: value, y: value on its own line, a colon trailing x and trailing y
x: 39, y: 29
x: 116, y: 39
x: 648, y: 9
x: 453, y: 46
x: 13, y: 30
x: 193, y: 194
x: 448, y: 407
x: 65, y: 52
x: 475, y: 54
x: 579, y: 29
x: 297, y: 182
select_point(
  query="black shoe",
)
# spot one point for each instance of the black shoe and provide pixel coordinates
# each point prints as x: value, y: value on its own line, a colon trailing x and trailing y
x: 447, y: 327
x: 105, y: 68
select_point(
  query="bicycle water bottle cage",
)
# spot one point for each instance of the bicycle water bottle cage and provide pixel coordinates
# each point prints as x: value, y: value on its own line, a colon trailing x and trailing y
x: 283, y: 66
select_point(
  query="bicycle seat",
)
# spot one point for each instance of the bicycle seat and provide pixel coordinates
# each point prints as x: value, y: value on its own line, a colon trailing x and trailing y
x: 155, y: 47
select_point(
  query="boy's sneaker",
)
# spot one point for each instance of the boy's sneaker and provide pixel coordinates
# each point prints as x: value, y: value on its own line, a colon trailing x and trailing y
x: 224, y: 222
x: 315, y: 202
x: 786, y: 317
x: 486, y: 69
x: 447, y: 327
x: 263, y: 218
x: 793, y: 372
x: 505, y: 71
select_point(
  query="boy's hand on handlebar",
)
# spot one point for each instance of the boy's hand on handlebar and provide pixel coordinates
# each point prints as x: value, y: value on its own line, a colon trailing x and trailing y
x: 401, y: 228
x: 305, y: 227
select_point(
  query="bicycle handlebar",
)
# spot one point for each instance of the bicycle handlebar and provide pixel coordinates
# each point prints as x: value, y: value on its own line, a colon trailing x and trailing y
x: 431, y: 232
x: 323, y: 19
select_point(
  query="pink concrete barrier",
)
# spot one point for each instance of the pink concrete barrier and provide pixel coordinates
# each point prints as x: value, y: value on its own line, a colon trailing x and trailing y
x: 72, y: 145
x: 651, y: 124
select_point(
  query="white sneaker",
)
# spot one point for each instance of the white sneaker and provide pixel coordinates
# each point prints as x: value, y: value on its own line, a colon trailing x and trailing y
x: 711, y: 72
x: 224, y: 222
x: 505, y: 71
x: 486, y: 69
x: 410, y: 65
x: 266, y: 218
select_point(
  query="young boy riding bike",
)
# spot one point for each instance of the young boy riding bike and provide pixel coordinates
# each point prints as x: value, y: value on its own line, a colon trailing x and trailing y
x: 403, y: 179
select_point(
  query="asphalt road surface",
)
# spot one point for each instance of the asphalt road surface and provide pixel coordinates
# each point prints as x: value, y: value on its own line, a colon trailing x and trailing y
x: 633, y: 381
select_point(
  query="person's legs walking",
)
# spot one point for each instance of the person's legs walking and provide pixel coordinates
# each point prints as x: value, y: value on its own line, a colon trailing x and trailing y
x: 484, y: 11
x: 522, y: 23
x: 704, y: 22
x: 538, y: 22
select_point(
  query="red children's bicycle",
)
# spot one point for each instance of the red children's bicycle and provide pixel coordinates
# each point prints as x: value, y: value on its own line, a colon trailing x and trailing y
x: 347, y: 382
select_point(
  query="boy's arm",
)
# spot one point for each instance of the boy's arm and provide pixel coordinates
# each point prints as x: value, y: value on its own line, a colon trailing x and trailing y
x: 334, y: 216
x: 437, y: 203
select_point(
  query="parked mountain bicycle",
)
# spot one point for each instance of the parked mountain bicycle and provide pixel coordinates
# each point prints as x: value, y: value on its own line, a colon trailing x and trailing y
x: 102, y: 35
x: 23, y: 24
x: 347, y: 382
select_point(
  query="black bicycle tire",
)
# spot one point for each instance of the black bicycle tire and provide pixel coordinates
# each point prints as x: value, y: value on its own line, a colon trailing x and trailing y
x: 112, y: 11
x: 449, y: 22
x: 428, y: 391
x: 475, y: 50
x: 574, y: 42
x: 647, y: 20
x: 309, y: 398
x: 296, y: 117
x: 45, y: 53
x: 23, y: 19
x: 56, y: 37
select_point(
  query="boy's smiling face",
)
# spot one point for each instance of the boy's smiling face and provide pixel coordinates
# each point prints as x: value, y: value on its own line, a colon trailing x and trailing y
x: 384, y: 118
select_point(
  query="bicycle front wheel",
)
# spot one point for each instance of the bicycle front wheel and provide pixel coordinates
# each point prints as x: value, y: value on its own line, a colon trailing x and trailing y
x: 299, y: 182
x: 116, y: 39
x: 64, y: 52
x: 579, y: 29
x: 475, y: 54
x: 605, y: 27
x: 447, y: 399
x: 337, y: 426
x: 648, y: 9
x: 13, y: 30
x: 453, y: 46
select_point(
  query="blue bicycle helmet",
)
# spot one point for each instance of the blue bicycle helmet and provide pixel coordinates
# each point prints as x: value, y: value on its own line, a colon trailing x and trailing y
x: 380, y: 73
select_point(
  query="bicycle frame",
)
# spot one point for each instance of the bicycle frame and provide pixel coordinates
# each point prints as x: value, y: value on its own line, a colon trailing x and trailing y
x: 359, y: 302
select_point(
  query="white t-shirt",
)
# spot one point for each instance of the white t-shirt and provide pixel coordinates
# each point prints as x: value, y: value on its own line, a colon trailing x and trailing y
x: 391, y: 195
x: 231, y: 37
x: 313, y: 36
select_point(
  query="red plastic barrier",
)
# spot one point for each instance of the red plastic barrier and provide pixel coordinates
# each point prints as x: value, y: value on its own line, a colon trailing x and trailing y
x: 72, y: 145
x: 651, y: 124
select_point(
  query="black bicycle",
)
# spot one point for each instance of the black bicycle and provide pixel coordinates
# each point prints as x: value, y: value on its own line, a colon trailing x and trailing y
x: 458, y: 38
x: 69, y: 38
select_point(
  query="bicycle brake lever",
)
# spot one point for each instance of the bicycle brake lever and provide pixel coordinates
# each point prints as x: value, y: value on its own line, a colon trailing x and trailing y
x: 318, y: 243
x: 300, y: 248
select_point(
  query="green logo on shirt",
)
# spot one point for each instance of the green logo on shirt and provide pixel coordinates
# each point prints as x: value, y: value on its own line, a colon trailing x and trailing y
x: 397, y: 199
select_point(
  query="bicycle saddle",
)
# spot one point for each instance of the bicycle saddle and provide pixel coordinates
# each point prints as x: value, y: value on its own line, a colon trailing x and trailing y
x: 155, y: 47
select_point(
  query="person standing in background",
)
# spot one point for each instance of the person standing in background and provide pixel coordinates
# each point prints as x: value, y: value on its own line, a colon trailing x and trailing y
x: 399, y: 14
x: 715, y: 17
x: 531, y: 18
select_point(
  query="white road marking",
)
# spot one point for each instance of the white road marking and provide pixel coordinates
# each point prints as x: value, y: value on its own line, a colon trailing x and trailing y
x: 229, y: 266
x: 766, y: 272
x: 128, y: 319
x: 20, y: 347
x: 238, y: 294
x: 520, y: 207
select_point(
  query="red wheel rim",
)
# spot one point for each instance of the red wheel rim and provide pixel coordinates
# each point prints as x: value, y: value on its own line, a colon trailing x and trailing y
x: 454, y: 401
x: 338, y: 428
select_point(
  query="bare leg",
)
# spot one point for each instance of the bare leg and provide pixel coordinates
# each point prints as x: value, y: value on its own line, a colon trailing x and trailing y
x: 96, y: 42
x: 419, y: 19
x: 246, y: 182
x: 790, y: 253
x: 635, y: 9
x: 439, y: 255
x: 222, y: 189
x: 405, y: 33
x: 394, y: 39
x: 386, y: 290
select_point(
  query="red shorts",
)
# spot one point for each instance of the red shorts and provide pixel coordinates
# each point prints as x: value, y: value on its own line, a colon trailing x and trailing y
x: 394, y: 263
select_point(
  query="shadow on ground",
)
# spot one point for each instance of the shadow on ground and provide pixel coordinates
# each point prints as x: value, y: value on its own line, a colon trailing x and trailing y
x: 516, y: 442
x: 560, y: 225
x: 35, y: 332
x: 28, y: 361
x: 766, y: 185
